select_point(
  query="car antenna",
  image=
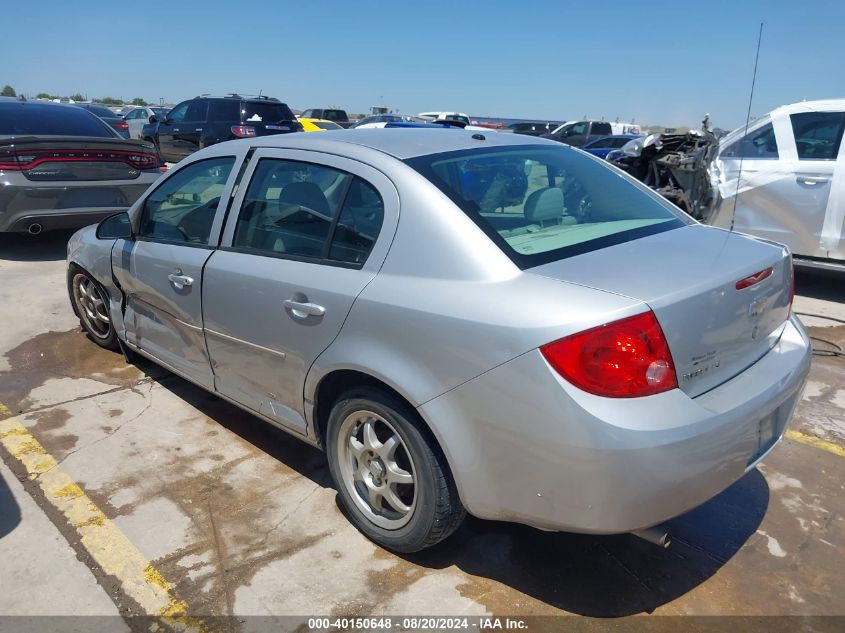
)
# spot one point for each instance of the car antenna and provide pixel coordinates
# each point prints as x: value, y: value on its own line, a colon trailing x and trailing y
x: 747, y: 121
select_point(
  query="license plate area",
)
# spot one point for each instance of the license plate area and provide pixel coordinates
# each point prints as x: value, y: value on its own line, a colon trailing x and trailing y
x: 285, y: 128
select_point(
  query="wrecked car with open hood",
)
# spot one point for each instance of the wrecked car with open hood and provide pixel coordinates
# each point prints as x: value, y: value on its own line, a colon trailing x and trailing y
x: 782, y: 178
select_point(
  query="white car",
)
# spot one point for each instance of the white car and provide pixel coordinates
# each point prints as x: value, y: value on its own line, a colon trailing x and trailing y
x: 792, y: 186
x: 457, y: 117
x: 137, y: 118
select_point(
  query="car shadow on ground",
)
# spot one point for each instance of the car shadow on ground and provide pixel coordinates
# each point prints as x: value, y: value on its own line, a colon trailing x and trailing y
x: 10, y: 512
x: 301, y: 457
x: 600, y: 576
x: 50, y: 246
x: 608, y: 576
x: 820, y: 284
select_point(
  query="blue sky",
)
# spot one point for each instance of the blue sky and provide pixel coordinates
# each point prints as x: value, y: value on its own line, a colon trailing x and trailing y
x: 655, y: 62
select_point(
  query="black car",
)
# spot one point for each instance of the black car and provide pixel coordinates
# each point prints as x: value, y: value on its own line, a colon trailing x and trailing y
x: 578, y: 133
x: 206, y: 120
x: 117, y: 122
x: 533, y: 128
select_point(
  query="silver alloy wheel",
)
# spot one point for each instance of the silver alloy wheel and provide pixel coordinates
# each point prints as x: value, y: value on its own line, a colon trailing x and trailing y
x: 377, y: 469
x: 91, y: 306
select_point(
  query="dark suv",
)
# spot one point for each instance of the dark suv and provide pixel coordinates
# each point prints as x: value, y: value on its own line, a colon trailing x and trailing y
x: 205, y: 120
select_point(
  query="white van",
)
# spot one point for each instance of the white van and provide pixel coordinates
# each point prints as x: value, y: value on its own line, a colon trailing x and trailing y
x: 792, y: 186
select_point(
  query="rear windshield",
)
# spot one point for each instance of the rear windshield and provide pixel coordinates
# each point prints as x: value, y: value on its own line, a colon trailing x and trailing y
x: 541, y: 204
x: 335, y: 115
x: 19, y: 119
x: 265, y: 112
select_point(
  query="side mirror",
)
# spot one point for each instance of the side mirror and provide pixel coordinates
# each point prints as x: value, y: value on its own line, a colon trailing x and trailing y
x: 153, y: 118
x: 115, y: 227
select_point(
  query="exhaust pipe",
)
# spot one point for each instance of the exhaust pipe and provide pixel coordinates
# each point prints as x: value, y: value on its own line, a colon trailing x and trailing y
x: 34, y: 228
x: 656, y: 534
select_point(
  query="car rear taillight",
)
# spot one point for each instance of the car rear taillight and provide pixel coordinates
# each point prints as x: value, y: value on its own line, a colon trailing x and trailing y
x: 628, y: 358
x: 243, y: 131
x: 29, y: 159
x: 122, y: 126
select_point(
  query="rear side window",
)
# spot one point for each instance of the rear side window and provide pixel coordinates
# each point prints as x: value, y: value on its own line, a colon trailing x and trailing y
x: 182, y: 208
x: 334, y: 115
x: 541, y: 204
x: 818, y: 134
x: 758, y: 144
x: 197, y: 110
x: 601, y: 128
x: 18, y: 119
x: 308, y: 211
x: 224, y: 110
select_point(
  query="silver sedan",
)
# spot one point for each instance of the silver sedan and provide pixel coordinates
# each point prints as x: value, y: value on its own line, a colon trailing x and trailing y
x: 492, y: 324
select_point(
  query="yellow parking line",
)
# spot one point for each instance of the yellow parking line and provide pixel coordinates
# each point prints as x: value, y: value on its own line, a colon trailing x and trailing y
x: 816, y: 442
x: 106, y: 544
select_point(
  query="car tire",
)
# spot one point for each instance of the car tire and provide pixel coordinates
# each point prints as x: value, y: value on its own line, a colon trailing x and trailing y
x: 376, y: 443
x: 90, y: 303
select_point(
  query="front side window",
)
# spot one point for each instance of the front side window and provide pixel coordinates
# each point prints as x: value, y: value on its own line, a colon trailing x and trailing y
x: 757, y: 144
x: 818, y: 134
x: 182, y: 208
x: 177, y: 114
x: 541, y: 204
x: 308, y: 211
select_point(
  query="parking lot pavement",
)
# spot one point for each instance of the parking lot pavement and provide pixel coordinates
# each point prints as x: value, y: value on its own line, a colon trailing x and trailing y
x: 223, y: 514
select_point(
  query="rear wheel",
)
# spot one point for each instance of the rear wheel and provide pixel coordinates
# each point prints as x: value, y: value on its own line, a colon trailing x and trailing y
x: 392, y: 479
x: 90, y: 302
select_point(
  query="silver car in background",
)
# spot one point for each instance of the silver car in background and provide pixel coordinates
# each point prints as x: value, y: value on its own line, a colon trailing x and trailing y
x: 492, y: 324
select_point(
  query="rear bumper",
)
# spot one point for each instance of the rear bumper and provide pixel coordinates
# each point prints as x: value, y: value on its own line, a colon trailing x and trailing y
x: 65, y: 205
x: 526, y: 446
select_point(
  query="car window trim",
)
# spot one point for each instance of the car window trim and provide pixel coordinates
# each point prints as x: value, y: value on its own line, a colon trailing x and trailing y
x: 324, y: 261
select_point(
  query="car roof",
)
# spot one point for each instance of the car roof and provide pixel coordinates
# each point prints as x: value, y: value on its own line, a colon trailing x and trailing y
x: 821, y: 105
x: 401, y: 143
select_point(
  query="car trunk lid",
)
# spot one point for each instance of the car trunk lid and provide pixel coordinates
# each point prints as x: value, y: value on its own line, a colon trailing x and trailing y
x: 722, y: 299
x: 76, y: 158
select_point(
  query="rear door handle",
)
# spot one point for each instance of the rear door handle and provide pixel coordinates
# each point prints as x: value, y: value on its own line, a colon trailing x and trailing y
x: 179, y: 280
x: 302, y: 309
x: 811, y: 180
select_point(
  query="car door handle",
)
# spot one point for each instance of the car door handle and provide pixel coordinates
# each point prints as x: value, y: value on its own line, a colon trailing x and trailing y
x: 180, y: 281
x: 811, y: 180
x: 199, y: 129
x: 301, y: 309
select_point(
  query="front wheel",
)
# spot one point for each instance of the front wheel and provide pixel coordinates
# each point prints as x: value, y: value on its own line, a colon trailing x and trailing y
x: 392, y: 479
x: 90, y: 302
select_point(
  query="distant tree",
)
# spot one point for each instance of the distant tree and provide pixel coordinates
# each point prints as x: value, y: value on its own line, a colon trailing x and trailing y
x: 8, y: 91
x: 77, y: 97
x: 110, y: 101
x: 138, y: 101
x: 44, y: 95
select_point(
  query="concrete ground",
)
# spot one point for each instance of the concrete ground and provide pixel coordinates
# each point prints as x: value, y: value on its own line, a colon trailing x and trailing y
x: 241, y: 519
